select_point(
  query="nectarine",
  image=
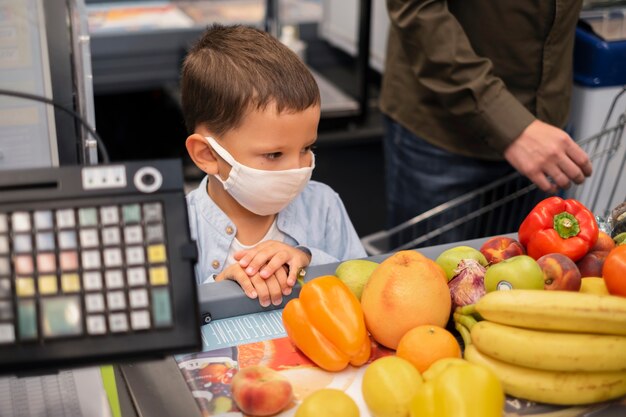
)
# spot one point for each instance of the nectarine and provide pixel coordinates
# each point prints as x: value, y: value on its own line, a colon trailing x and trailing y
x: 261, y: 391
x: 591, y: 264
x: 499, y: 248
x: 559, y: 272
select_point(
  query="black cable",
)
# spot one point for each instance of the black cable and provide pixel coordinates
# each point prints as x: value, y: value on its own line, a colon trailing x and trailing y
x: 101, y: 148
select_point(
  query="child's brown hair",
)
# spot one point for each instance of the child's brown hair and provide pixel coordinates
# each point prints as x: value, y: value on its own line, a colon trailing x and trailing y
x: 235, y: 69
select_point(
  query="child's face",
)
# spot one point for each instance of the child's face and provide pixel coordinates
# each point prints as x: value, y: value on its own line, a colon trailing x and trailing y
x: 271, y: 141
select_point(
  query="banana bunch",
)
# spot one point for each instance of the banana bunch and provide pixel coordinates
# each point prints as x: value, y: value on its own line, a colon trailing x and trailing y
x: 556, y: 347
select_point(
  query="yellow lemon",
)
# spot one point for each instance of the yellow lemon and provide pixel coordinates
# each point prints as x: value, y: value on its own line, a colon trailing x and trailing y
x: 593, y: 285
x: 389, y: 383
x: 328, y: 402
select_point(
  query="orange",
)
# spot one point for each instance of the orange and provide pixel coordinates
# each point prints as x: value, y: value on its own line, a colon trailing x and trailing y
x: 424, y: 345
x: 406, y: 290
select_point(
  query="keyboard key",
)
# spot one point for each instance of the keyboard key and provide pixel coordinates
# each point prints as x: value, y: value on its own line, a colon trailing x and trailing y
x: 70, y: 283
x: 118, y: 322
x: 92, y: 281
x: 94, y: 303
x: 5, y: 288
x: 158, y: 275
x: 133, y: 235
x: 156, y: 254
x: 22, y: 243
x: 4, y: 245
x: 27, y: 319
x: 114, y: 279
x: 46, y: 262
x: 24, y: 287
x: 138, y: 298
x: 6, y: 310
x: 87, y: 216
x: 140, y: 320
x: 131, y: 213
x: 154, y: 233
x: 136, y: 276
x: 7, y: 333
x: 65, y: 219
x: 43, y: 220
x: 21, y: 221
x: 47, y: 284
x: 67, y: 239
x: 152, y: 212
x: 5, y: 266
x: 96, y: 324
x: 111, y: 236
x: 61, y: 316
x: 109, y: 215
x: 68, y: 261
x: 89, y: 238
x: 161, y: 307
x: 45, y: 241
x: 91, y: 259
x: 112, y: 257
x: 135, y: 255
x: 116, y: 300
x: 23, y: 264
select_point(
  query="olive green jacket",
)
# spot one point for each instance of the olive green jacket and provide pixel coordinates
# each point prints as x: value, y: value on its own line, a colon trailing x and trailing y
x: 470, y: 75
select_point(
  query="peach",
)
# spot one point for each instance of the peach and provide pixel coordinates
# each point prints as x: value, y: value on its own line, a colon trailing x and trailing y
x: 261, y: 391
x: 604, y: 244
x: 591, y: 264
x: 559, y: 272
x: 499, y: 248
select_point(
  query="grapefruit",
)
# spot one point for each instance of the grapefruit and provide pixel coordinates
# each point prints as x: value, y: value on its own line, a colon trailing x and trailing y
x: 405, y: 291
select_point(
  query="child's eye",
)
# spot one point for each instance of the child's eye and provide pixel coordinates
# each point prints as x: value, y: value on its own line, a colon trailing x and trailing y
x: 273, y: 155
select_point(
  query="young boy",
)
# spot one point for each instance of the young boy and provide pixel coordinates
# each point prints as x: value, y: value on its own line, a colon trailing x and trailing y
x: 253, y: 109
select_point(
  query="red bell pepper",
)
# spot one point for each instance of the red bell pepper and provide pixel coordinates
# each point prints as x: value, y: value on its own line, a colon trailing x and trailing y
x: 558, y: 226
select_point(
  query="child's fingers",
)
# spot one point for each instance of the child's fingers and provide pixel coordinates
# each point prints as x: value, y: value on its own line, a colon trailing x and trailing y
x: 281, y: 276
x: 262, y: 290
x: 242, y: 279
x: 275, y: 263
x: 274, y: 289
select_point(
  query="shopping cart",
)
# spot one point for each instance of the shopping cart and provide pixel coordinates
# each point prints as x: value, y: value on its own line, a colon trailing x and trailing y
x: 500, y: 206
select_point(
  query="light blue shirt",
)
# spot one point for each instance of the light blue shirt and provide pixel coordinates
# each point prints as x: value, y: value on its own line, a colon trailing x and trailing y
x: 316, y: 219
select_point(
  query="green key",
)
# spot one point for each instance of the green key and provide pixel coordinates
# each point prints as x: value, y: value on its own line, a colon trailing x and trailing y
x: 27, y: 319
x: 131, y: 213
x: 161, y: 307
x: 61, y: 316
x: 88, y: 216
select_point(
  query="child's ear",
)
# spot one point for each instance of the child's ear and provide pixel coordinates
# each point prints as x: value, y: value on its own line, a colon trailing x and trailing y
x: 201, y: 153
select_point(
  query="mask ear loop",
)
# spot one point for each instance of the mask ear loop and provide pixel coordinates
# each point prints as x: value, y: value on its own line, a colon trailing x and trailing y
x: 223, y: 153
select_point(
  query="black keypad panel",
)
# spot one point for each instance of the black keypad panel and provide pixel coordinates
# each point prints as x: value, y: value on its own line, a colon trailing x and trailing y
x: 94, y: 272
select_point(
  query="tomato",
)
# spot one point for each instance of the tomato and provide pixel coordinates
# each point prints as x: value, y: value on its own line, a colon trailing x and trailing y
x: 614, y: 271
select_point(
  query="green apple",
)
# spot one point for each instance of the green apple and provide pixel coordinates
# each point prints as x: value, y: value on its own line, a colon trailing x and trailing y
x: 519, y: 272
x: 449, y: 259
x: 355, y: 273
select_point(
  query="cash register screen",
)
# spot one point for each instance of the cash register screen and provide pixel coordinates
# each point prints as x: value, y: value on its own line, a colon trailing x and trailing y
x: 35, y: 58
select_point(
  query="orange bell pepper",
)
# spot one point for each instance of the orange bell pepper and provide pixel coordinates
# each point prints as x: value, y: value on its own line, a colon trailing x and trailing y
x: 326, y: 323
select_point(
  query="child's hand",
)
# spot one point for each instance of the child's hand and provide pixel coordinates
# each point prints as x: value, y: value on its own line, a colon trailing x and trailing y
x: 268, y: 257
x: 268, y: 290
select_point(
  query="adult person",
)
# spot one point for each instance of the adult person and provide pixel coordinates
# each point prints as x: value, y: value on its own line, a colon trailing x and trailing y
x: 473, y: 90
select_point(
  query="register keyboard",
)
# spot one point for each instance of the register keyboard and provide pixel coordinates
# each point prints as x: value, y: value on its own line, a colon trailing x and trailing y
x: 96, y: 265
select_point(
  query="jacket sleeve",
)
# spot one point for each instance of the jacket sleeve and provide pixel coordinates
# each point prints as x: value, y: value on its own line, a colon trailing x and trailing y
x: 440, y: 54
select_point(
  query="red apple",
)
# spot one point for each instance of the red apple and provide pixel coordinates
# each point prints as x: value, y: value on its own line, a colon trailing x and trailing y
x: 559, y: 272
x: 499, y: 248
x: 261, y: 391
x: 591, y: 264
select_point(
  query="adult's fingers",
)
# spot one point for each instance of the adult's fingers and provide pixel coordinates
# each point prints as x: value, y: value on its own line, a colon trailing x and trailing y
x: 581, y: 159
x: 558, y: 176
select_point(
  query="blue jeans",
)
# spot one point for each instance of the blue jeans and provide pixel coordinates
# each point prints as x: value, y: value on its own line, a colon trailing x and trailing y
x: 420, y: 176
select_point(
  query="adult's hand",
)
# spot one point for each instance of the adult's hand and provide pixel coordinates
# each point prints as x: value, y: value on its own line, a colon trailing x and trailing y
x: 543, y: 151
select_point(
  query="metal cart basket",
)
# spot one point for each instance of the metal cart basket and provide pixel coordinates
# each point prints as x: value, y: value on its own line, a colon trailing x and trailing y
x: 500, y: 206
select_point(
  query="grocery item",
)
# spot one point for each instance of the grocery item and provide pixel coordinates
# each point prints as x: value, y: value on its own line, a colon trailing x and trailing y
x: 424, y: 345
x: 328, y: 402
x: 562, y: 226
x: 406, y: 290
x: 553, y: 387
x: 614, y: 271
x: 326, y: 323
x: 355, y: 273
x: 468, y: 284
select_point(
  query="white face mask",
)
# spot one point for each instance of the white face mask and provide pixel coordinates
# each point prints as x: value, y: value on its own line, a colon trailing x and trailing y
x: 260, y: 191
